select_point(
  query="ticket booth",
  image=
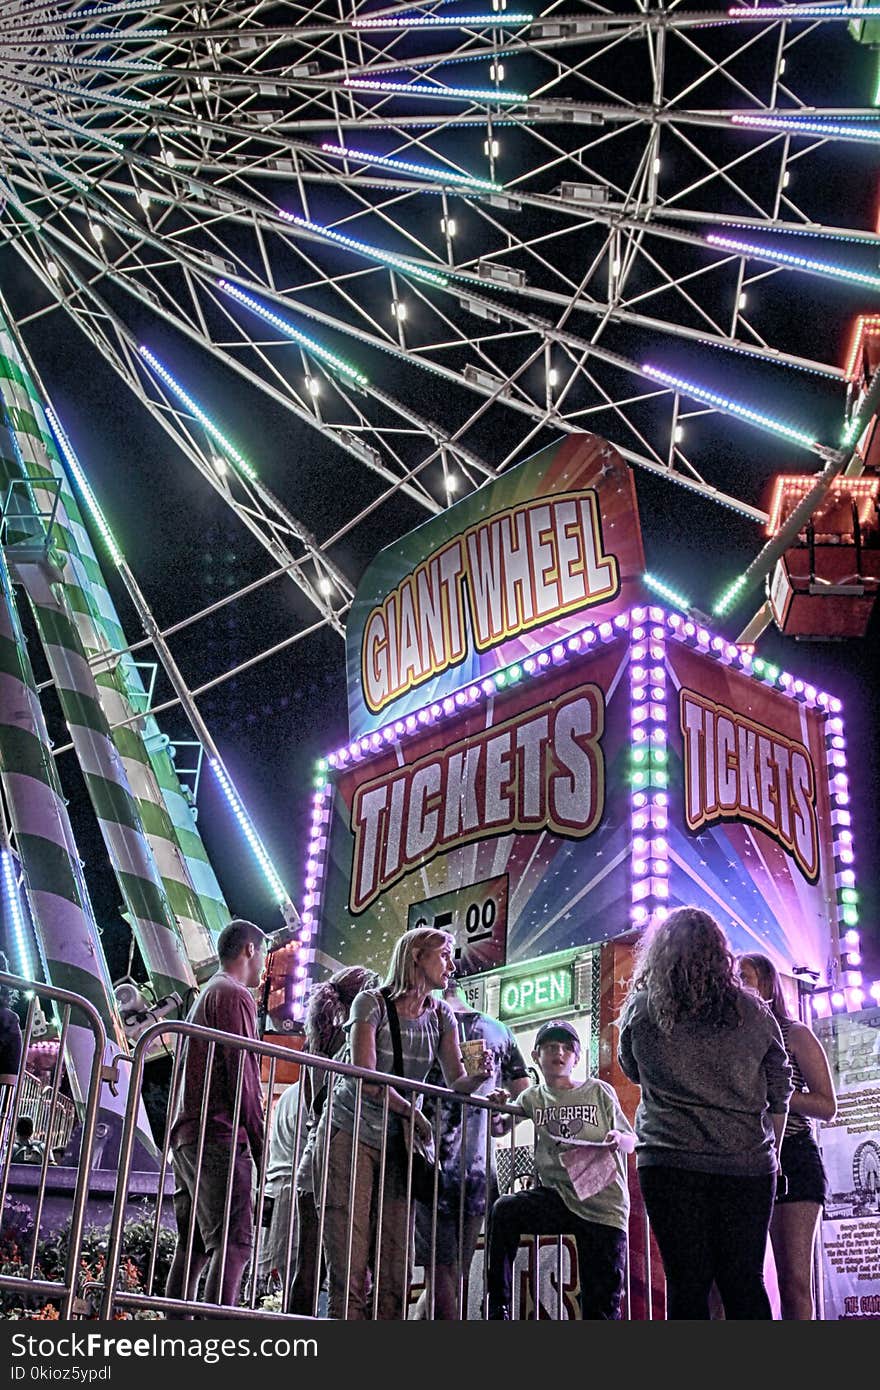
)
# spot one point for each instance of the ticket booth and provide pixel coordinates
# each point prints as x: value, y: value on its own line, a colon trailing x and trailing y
x: 541, y: 759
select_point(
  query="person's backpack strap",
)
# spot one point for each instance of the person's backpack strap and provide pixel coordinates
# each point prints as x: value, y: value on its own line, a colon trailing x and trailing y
x: 394, y: 1030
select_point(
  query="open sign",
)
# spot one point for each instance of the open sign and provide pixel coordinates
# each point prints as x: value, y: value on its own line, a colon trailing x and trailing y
x: 531, y: 994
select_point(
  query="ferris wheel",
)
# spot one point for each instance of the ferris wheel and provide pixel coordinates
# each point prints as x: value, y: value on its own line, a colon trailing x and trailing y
x: 441, y: 234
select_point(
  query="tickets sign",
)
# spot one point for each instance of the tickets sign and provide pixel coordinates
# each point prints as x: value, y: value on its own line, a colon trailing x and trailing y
x: 750, y: 835
x: 506, y: 825
x: 523, y: 561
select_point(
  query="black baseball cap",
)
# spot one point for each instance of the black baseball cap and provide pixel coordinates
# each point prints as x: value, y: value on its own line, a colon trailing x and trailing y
x: 557, y: 1030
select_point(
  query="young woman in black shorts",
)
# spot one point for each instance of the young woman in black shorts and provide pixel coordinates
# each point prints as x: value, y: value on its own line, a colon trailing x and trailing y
x: 798, y: 1206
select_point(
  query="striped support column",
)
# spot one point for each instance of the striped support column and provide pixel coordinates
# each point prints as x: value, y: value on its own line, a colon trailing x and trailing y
x: 56, y: 890
x: 151, y: 914
x: 166, y: 811
x: 162, y: 796
x: 158, y: 878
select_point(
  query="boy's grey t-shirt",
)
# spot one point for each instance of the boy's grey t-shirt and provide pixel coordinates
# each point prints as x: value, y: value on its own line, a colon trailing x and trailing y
x: 420, y: 1043
x: 585, y: 1112
x: 708, y: 1092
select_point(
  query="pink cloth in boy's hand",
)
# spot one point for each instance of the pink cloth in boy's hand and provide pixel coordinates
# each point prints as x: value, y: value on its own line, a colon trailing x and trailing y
x: 590, y: 1168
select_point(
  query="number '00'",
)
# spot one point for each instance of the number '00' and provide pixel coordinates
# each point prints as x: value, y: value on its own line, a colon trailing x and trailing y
x: 480, y: 920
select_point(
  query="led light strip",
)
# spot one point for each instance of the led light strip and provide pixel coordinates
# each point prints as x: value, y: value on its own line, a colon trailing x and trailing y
x: 302, y: 338
x: 723, y: 403
x: 81, y: 132
x: 769, y: 253
x: 83, y: 484
x: 729, y: 597
x: 120, y: 8
x: 364, y: 249
x: 114, y: 35
x: 424, y: 89
x: 24, y: 963
x: 457, y: 21
x: 203, y: 419
x: 421, y: 170
x: 279, y: 892
x: 801, y: 12
x: 808, y: 127
x: 666, y: 591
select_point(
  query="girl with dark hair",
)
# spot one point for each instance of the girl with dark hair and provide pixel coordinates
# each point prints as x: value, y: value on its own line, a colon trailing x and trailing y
x: 798, y: 1206
x: 715, y: 1085
x: 329, y: 1005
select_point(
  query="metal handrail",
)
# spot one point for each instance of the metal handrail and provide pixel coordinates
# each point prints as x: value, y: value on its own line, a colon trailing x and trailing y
x: 69, y: 1001
x: 214, y: 1038
x: 36, y: 1104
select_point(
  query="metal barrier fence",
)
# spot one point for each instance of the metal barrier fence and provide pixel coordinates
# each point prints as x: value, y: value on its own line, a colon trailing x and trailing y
x: 357, y: 1219
x: 331, y: 1200
x: 53, y: 1118
x: 54, y: 1111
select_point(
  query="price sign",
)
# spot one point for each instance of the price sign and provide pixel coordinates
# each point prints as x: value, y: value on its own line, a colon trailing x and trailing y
x: 476, y: 916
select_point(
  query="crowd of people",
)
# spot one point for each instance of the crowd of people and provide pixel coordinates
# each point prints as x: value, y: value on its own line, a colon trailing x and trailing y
x: 724, y: 1149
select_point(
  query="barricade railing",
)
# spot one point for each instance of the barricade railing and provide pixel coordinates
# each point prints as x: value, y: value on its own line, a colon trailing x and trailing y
x: 356, y: 1219
x: 53, y: 1124
x: 366, y: 1235
x: 53, y: 1119
x: 361, y: 1210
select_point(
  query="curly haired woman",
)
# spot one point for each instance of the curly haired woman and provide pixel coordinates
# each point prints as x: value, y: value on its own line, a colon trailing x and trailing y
x: 715, y: 1082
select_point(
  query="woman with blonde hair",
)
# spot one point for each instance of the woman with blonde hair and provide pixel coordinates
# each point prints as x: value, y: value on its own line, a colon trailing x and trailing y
x: 356, y: 1244
x: 797, y: 1208
x: 715, y: 1083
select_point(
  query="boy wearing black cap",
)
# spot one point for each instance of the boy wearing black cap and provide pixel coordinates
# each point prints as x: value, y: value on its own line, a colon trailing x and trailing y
x: 581, y: 1140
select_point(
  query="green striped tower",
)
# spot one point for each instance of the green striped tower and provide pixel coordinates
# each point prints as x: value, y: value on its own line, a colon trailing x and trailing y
x: 67, y: 632
x: 185, y: 898
x: 56, y: 890
x: 150, y: 912
x: 173, y: 815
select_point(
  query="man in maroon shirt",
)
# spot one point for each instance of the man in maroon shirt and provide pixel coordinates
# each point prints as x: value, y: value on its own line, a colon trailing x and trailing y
x: 225, y: 1179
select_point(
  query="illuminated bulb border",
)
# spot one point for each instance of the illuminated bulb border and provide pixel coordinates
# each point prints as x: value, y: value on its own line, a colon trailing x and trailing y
x: 676, y: 626
x: 866, y: 325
